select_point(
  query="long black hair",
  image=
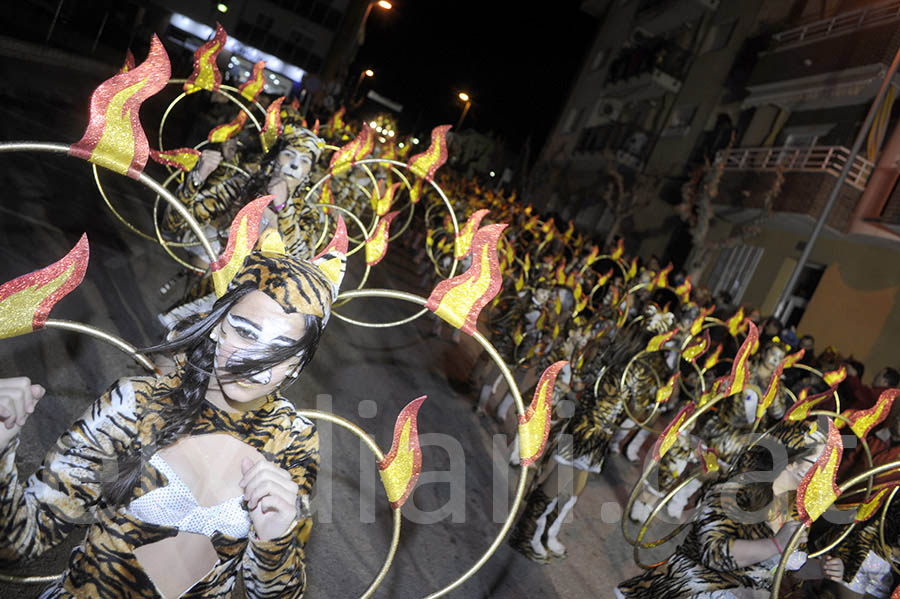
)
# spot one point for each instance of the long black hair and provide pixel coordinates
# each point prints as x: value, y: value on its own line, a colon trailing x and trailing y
x: 198, y: 365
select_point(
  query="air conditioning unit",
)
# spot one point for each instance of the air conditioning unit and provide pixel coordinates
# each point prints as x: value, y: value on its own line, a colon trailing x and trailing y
x: 607, y: 111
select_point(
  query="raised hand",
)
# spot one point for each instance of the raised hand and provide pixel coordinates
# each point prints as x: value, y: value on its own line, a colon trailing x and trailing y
x: 17, y: 400
x: 271, y: 496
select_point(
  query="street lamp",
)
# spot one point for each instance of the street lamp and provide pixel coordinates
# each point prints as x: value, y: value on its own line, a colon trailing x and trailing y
x: 468, y: 102
x: 385, y: 4
x: 362, y: 75
x: 361, y: 32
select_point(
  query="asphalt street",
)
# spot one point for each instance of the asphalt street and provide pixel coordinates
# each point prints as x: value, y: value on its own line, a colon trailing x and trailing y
x: 366, y: 375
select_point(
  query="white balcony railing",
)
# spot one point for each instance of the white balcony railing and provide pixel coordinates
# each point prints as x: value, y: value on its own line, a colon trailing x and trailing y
x: 812, y: 159
x: 839, y: 24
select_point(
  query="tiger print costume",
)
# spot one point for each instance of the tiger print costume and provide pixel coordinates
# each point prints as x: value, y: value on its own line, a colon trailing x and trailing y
x: 66, y: 492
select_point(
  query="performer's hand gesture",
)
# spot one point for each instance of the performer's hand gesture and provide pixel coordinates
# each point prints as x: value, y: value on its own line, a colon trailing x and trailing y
x: 17, y: 400
x: 833, y: 568
x: 209, y: 161
x: 784, y: 534
x: 271, y: 496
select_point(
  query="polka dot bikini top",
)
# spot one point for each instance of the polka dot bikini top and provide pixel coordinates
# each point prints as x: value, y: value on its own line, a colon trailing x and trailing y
x: 174, y: 505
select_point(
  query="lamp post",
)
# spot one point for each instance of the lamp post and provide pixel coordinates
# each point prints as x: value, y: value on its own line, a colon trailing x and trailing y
x: 361, y: 32
x: 468, y: 102
x: 362, y: 75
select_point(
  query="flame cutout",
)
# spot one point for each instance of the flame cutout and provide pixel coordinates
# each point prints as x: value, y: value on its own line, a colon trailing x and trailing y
x: 632, y: 270
x: 713, y: 358
x: 400, y: 468
x: 518, y: 335
x: 772, y: 390
x: 464, y: 239
x: 114, y: 138
x: 377, y: 243
x: 896, y: 593
x: 570, y: 280
x: 228, y: 130
x: 326, y: 197
x: 272, y: 128
x: 241, y: 238
x: 620, y: 249
x: 668, y: 437
x: 791, y: 360
x: 383, y: 204
x: 347, y: 155
x: 740, y: 370
x: 460, y: 299
x: 656, y: 343
x: 863, y: 421
x: 683, y: 291
x: 593, y: 256
x: 697, y: 348
x: 662, y: 278
x: 818, y: 489
x: 182, y: 158
x: 206, y: 73
x: 604, y: 278
x: 697, y: 325
x: 871, y: 507
x: 805, y: 402
x: 339, y: 242
x: 835, y: 377
x: 129, y: 62
x: 561, y: 274
x: 664, y: 393
x: 336, y: 122
x: 425, y: 164
x: 534, y: 426
x: 734, y: 323
x: 26, y: 301
x: 252, y: 87
x: 709, y: 459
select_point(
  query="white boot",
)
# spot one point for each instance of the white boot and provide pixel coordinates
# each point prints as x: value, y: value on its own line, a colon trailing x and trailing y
x: 483, y: 398
x: 634, y: 448
x: 618, y: 436
x: 514, y: 452
x: 536, y: 543
x: 503, y: 408
x: 676, y: 505
x: 553, y: 544
x: 640, y: 511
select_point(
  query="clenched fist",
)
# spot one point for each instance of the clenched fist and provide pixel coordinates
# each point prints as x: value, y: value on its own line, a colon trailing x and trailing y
x: 17, y: 400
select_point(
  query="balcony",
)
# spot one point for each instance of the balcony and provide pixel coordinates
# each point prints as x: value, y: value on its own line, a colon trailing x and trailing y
x: 646, y: 71
x: 656, y: 17
x: 848, y: 22
x: 812, y: 159
x: 628, y: 143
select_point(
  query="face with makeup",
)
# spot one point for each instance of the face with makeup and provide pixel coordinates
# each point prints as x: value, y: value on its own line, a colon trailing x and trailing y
x: 253, y: 327
x: 789, y: 478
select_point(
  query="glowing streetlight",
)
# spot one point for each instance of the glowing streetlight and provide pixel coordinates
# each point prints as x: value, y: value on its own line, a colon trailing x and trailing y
x: 385, y: 4
x: 222, y: 7
x: 362, y: 75
x: 369, y: 73
x: 468, y: 102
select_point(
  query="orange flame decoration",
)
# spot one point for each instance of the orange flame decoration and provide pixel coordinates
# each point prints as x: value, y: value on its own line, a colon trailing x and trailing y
x: 772, y: 390
x: 664, y: 393
x: 713, y: 358
x: 346, y: 156
x: 400, y: 468
x: 697, y: 348
x: 683, y: 291
x: 818, y: 489
x: 425, y: 164
x: 708, y: 458
x: 805, y: 402
x: 620, y: 249
x: 464, y: 239
x: 129, y: 62
x: 182, y: 158
x: 252, y: 87
x: 662, y: 278
x: 734, y: 323
x: 383, y: 203
x: 241, y: 238
x: 561, y: 274
x: 114, y: 138
x: 389, y: 150
x: 206, y: 73
x: 740, y: 370
x: 593, y: 256
x: 377, y: 243
x: 870, y: 508
x: 336, y: 122
x: 668, y: 437
x: 697, y: 325
x: 656, y: 343
x: 896, y: 593
x: 835, y: 377
x: 460, y: 299
x: 339, y: 242
x: 272, y: 128
x: 863, y: 421
x: 228, y: 130
x: 604, y: 278
x: 26, y: 301
x: 534, y: 425
x: 326, y: 197
x: 632, y: 270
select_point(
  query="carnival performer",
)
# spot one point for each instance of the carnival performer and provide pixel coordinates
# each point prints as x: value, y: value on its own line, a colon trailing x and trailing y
x: 728, y: 554
x: 184, y: 480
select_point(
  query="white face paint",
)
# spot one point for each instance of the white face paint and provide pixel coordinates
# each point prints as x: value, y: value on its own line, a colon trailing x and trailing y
x: 294, y: 164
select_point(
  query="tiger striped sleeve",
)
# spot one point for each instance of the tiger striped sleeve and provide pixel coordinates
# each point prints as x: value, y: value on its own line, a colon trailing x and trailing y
x: 65, y: 490
x: 276, y: 568
x: 716, y: 529
x: 213, y: 200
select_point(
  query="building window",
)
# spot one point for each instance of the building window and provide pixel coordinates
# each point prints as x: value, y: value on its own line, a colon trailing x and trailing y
x: 681, y: 119
x: 719, y: 36
x: 733, y: 271
x: 571, y: 120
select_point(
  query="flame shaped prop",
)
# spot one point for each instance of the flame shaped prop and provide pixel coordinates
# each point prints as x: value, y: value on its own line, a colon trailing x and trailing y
x: 464, y: 239
x: 114, y: 138
x: 774, y: 382
x: 620, y: 249
x: 424, y: 165
x: 709, y: 459
x: 228, y: 130
x: 870, y: 508
x: 835, y: 377
x: 347, y: 155
x: 377, y: 243
x: 241, y: 238
x: 632, y: 269
x: 252, y: 87
x: 697, y: 325
x: 400, y: 468
x: 604, y: 278
x: 129, y: 62
x: 460, y: 299
x: 184, y: 159
x: 593, y: 256
x: 326, y: 197
x: 713, y: 358
x: 818, y: 489
x: 383, y: 203
x: 734, y: 323
x: 206, y: 73
x: 668, y: 437
x: 657, y: 342
x: 272, y: 127
x: 683, y: 291
x: 334, y: 266
x: 534, y: 425
x: 26, y: 301
x: 415, y: 192
x: 336, y: 122
x: 697, y: 348
x: 740, y: 369
x: 863, y: 421
x: 664, y: 393
x: 662, y: 278
x: 805, y: 402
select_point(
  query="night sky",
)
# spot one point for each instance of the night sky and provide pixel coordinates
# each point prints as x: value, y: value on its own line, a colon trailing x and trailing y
x: 516, y: 62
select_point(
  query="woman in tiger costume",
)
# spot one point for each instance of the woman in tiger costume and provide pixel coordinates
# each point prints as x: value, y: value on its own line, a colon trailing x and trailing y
x: 741, y: 527
x: 185, y: 479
